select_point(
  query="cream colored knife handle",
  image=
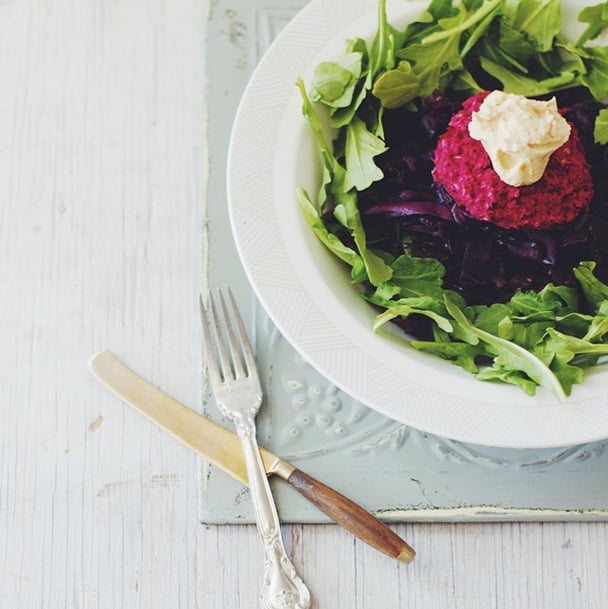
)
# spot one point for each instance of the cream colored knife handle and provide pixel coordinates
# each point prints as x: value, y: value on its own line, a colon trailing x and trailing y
x: 221, y: 447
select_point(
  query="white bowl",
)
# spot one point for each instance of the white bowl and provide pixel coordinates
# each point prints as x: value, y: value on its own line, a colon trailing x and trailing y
x: 308, y: 293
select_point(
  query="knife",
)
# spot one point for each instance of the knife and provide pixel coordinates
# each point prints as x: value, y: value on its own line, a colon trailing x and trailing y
x: 222, y: 448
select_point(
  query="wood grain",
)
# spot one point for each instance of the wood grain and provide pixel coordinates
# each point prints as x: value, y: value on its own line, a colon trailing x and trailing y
x: 352, y: 517
x: 103, y: 168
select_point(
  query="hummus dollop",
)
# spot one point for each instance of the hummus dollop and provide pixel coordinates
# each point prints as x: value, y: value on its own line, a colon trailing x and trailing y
x: 519, y: 135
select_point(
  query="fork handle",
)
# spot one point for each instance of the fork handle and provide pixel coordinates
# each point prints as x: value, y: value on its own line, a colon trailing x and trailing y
x: 282, y: 587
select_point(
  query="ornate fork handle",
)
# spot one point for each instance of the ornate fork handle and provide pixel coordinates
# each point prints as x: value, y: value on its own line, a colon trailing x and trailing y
x: 238, y: 392
x: 282, y: 587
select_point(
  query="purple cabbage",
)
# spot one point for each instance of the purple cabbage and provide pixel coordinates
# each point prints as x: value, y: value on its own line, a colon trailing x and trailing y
x: 484, y: 262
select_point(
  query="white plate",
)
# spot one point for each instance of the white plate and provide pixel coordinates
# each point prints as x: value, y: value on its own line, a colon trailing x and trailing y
x: 307, y: 293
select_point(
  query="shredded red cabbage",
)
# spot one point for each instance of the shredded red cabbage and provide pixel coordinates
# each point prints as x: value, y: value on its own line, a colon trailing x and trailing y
x: 484, y: 262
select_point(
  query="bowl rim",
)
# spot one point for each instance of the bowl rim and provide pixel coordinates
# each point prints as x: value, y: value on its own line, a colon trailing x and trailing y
x: 313, y: 310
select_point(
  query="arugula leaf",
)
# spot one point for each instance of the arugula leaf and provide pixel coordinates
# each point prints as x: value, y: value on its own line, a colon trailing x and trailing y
x: 595, y: 291
x: 347, y: 213
x: 331, y: 241
x: 433, y: 63
x: 525, y: 85
x: 510, y: 356
x: 382, y: 51
x: 509, y: 47
x: 360, y: 149
x: 491, y: 318
x: 540, y: 305
x: 563, y: 349
x: 600, y: 129
x: 428, y: 19
x: 333, y: 172
x: 568, y: 373
x: 462, y: 354
x: 540, y: 21
x: 596, y: 78
x: 409, y: 306
x: 420, y: 277
x: 398, y: 87
x: 513, y: 45
x: 566, y: 296
x: 598, y: 327
x: 597, y: 18
x: 346, y: 209
x: 508, y: 375
x: 477, y: 32
x: 334, y: 82
x: 456, y: 25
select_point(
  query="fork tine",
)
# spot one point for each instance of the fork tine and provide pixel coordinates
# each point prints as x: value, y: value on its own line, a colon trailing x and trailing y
x: 245, y: 344
x: 237, y: 347
x: 214, y: 373
x: 226, y: 368
x: 217, y: 356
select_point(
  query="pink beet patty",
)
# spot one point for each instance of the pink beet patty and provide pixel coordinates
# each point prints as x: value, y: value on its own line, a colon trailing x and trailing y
x: 464, y: 169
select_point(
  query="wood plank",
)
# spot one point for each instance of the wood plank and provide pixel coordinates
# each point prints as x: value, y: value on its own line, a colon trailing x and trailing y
x: 102, y: 172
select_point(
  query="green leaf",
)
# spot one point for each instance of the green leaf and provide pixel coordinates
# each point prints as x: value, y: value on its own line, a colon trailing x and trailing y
x: 408, y: 267
x: 508, y: 375
x: 596, y: 292
x: 489, y: 318
x: 382, y: 50
x: 524, y: 85
x: 477, y: 32
x: 563, y: 349
x: 406, y: 307
x: 530, y: 304
x: 453, y: 26
x: 596, y: 78
x: 598, y: 328
x: 600, y: 129
x: 597, y: 18
x: 340, y: 117
x: 398, y: 87
x: 540, y: 20
x: 433, y: 63
x: 462, y: 354
x: 567, y: 373
x: 360, y: 149
x: 334, y: 82
x: 546, y: 304
x: 348, y: 213
x: 529, y: 334
x: 576, y: 324
x: 557, y: 342
x: 510, y: 356
x: 427, y: 21
x: 334, y: 171
x: 331, y: 241
x: 514, y: 44
x: 567, y: 297
x: 420, y: 277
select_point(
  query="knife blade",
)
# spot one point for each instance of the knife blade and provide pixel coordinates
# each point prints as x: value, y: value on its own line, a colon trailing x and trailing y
x: 222, y: 447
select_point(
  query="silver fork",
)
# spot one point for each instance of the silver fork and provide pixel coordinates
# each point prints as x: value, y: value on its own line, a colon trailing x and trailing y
x: 236, y: 386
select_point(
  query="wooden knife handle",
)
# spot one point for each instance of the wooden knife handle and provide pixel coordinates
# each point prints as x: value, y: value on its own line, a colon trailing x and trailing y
x: 351, y: 516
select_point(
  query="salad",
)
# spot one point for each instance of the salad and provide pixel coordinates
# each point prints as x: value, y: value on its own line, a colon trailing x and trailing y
x: 517, y: 294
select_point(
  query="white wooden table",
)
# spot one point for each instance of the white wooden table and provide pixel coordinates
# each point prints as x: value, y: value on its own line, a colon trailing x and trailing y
x: 104, y: 162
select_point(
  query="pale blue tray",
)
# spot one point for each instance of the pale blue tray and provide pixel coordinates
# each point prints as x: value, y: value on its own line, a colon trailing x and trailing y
x: 397, y: 472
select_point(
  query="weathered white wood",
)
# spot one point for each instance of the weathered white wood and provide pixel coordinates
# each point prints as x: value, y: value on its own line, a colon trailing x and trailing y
x: 102, y: 178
